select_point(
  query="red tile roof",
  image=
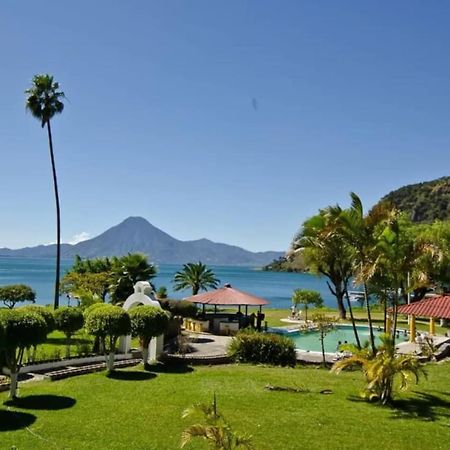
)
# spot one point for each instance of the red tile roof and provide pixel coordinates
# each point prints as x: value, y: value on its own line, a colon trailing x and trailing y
x: 438, y: 307
x: 227, y: 296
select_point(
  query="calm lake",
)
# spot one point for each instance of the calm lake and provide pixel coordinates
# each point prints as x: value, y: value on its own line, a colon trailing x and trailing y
x: 276, y: 287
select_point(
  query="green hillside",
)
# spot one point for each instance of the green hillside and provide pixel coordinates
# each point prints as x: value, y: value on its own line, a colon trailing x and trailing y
x: 425, y: 202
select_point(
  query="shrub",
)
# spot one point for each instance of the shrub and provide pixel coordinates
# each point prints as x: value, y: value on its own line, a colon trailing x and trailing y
x: 68, y: 320
x: 45, y: 312
x: 148, y: 322
x: 108, y: 323
x: 179, y: 308
x: 264, y: 348
x: 20, y: 330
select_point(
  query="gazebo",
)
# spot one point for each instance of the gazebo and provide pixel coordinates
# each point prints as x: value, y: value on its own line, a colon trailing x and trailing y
x: 433, y: 307
x: 227, y: 296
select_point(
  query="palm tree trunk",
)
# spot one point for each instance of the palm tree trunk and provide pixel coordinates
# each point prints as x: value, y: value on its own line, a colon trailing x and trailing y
x: 369, y: 319
x: 350, y: 310
x: 58, y: 218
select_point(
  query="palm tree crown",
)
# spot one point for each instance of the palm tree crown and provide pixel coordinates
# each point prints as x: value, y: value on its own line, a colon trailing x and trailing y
x: 44, y: 98
x: 195, y: 276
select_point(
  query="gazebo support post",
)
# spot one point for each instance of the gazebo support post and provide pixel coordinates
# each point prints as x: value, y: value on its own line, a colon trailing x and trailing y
x: 412, y: 328
x: 215, y: 309
x: 432, y: 326
x: 389, y: 324
x: 246, y: 310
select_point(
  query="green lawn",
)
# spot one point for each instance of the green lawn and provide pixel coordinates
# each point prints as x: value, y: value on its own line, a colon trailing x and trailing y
x: 140, y: 410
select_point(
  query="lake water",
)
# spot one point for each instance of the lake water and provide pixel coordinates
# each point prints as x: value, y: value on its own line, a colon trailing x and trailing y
x: 276, y: 287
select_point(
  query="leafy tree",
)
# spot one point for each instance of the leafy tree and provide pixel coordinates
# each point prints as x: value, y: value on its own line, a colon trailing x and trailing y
x: 108, y: 323
x: 324, y: 325
x: 307, y: 297
x: 21, y: 329
x: 195, y: 276
x: 126, y: 272
x: 44, y: 102
x: 148, y: 322
x: 74, y: 283
x: 215, y: 431
x: 179, y: 308
x: 15, y: 293
x: 381, y: 370
x: 69, y: 321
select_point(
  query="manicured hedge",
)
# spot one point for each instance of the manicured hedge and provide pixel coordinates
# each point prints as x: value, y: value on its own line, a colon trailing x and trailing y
x: 179, y: 308
x: 262, y: 348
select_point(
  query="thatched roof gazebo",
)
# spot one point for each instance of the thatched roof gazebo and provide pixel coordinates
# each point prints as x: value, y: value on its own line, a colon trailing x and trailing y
x: 433, y: 307
x: 228, y: 296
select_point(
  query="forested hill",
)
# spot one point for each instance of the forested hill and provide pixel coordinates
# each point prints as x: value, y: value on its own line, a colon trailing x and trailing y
x: 425, y: 202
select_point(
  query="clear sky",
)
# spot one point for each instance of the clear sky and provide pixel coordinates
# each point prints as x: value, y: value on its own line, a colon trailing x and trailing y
x: 228, y: 120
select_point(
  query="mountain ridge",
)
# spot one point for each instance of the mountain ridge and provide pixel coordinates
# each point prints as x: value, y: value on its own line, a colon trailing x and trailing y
x: 136, y: 234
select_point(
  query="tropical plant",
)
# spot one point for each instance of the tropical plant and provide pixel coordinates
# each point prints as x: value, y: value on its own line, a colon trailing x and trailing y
x: 44, y: 102
x: 108, y: 323
x: 148, y: 322
x: 68, y: 320
x: 262, y: 348
x: 307, y: 297
x: 381, y: 370
x: 126, y: 272
x: 15, y: 293
x: 215, y: 430
x: 195, y: 276
x: 21, y: 329
x: 324, y: 325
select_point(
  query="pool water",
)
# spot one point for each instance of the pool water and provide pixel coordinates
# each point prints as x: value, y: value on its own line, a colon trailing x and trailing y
x: 309, y: 340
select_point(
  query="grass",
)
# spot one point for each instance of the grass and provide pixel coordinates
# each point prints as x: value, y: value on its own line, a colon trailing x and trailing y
x: 141, y: 410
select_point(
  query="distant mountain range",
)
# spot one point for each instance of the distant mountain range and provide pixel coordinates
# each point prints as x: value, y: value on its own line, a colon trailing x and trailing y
x: 424, y: 202
x: 136, y: 234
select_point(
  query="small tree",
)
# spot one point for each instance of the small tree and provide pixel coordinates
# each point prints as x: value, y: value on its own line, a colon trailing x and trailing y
x: 69, y: 321
x: 47, y: 314
x: 307, y: 297
x: 15, y: 293
x: 148, y: 322
x: 108, y: 323
x: 324, y: 324
x: 20, y: 330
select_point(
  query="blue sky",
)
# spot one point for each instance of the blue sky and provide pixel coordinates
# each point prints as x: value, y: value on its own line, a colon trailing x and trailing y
x: 228, y: 120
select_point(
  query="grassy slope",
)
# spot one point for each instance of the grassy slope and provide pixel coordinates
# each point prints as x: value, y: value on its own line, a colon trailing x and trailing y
x: 145, y: 413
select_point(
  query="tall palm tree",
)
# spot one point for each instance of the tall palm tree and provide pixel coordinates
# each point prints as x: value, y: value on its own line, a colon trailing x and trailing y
x: 195, y: 276
x: 44, y: 101
x: 358, y: 230
x: 327, y: 253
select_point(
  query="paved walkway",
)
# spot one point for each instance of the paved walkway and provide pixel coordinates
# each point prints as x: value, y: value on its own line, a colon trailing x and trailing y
x: 208, y: 345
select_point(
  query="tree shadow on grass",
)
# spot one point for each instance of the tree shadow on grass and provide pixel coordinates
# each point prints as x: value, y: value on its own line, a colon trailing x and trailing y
x: 15, y: 420
x: 169, y: 367
x: 127, y: 375
x: 62, y: 341
x: 423, y: 406
x: 48, y: 402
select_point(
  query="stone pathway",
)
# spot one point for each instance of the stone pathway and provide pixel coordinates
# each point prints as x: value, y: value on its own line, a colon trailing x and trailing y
x: 204, y: 344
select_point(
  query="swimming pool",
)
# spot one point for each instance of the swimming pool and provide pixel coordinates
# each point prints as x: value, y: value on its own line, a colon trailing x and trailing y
x: 309, y: 340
